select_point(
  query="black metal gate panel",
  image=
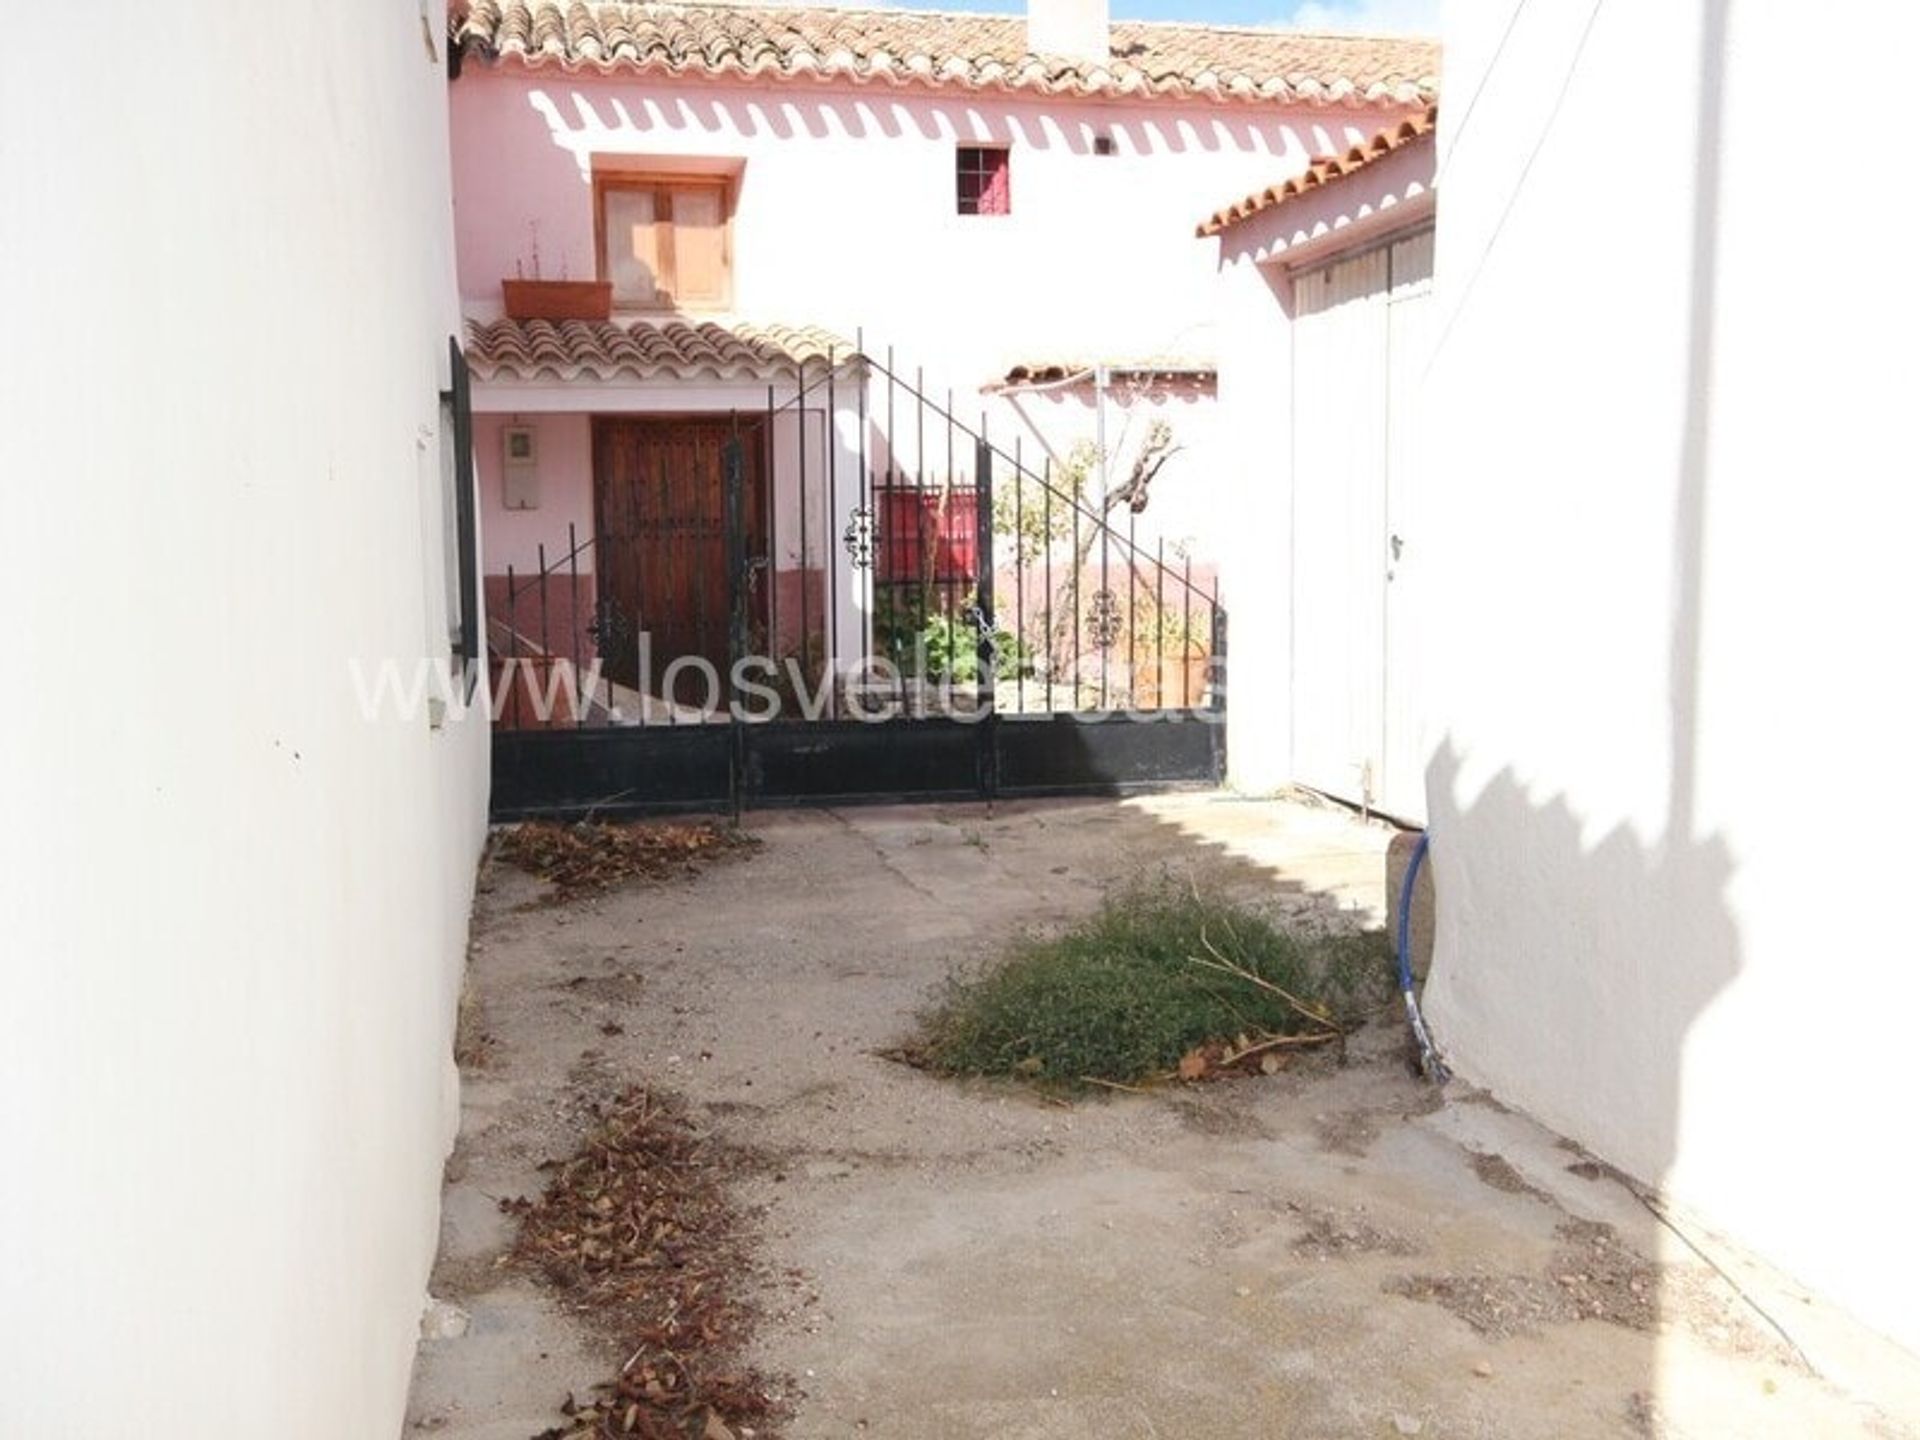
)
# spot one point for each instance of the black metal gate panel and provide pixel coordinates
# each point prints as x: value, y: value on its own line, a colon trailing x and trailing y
x: 658, y: 770
x: 928, y: 618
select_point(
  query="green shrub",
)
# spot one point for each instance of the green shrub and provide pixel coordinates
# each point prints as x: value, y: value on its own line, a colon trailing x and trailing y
x: 940, y: 641
x: 1149, y: 979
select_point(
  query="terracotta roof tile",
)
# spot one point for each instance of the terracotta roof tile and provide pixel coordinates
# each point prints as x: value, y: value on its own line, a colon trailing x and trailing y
x: 1322, y: 171
x: 643, y: 350
x: 979, y: 52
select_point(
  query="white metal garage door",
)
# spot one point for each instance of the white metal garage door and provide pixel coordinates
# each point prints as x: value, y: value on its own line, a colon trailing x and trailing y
x: 1360, y: 338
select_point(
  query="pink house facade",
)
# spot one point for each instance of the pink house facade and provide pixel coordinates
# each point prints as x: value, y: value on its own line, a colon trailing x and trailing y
x: 910, y: 203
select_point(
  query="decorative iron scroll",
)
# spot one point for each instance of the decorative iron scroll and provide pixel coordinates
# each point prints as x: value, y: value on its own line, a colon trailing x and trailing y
x: 1104, y: 619
x: 609, y: 629
x: 858, y: 537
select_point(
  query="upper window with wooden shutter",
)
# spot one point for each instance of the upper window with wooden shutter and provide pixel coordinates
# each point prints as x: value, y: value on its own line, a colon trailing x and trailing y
x: 666, y: 242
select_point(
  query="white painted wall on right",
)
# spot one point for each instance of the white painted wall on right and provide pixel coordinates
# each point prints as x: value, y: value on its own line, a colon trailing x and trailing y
x: 1671, y: 523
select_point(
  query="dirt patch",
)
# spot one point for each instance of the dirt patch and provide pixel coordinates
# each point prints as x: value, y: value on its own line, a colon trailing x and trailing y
x: 1349, y: 1132
x: 1210, y: 1112
x: 1603, y: 1279
x: 637, y: 1234
x: 623, y: 987
x: 1497, y: 1306
x: 1330, y: 1233
x: 1497, y: 1173
x: 1592, y: 1276
x: 472, y: 1040
x: 583, y: 859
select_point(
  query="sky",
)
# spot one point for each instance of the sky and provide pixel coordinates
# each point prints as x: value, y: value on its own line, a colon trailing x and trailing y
x: 1383, y: 16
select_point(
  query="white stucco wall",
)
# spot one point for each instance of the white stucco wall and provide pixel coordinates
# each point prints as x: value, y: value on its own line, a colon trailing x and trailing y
x: 1674, y: 516
x: 1256, y: 263
x: 232, y: 909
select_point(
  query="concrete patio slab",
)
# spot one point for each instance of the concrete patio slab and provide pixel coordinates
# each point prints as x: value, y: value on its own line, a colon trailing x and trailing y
x: 1332, y: 1251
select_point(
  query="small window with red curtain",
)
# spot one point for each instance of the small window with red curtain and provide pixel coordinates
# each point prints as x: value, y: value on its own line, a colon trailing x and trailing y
x: 986, y: 186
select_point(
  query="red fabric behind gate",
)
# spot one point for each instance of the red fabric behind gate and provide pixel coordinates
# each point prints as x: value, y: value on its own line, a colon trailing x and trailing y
x: 919, y: 542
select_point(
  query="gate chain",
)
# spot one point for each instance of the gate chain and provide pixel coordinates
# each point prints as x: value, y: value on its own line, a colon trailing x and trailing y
x: 975, y: 614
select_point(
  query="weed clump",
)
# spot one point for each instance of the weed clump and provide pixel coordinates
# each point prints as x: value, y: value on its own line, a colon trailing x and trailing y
x: 1161, y: 982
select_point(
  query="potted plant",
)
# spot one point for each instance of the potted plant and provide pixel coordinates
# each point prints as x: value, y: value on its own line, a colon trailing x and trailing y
x: 563, y: 299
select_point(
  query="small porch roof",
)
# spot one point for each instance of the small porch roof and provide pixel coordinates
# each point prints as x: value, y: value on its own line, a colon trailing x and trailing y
x: 1323, y: 171
x: 669, y: 350
x: 1383, y: 181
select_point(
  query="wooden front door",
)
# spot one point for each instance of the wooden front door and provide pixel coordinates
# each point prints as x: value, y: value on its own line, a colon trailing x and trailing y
x: 660, y: 524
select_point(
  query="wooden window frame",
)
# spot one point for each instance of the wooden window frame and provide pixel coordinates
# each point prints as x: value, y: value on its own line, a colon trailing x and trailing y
x: 663, y: 185
x: 961, y: 174
x: 463, y: 627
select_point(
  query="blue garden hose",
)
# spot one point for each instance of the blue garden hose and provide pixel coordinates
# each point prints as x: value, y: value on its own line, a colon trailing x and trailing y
x: 1431, y: 1065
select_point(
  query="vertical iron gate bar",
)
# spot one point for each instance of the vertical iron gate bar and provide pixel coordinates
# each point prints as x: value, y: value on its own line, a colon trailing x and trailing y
x: 1105, y: 642
x: 921, y: 591
x: 546, y: 649
x: 806, y: 540
x: 1019, y: 577
x: 1074, y: 581
x: 940, y: 544
x: 699, y: 534
x: 510, y: 672
x: 1046, y: 631
x: 864, y: 476
x: 663, y: 551
x: 1186, y: 625
x: 770, y: 477
x: 736, y: 552
x: 1160, y: 696
x: 1218, y: 698
x: 832, y: 561
x: 574, y: 647
x: 889, y: 542
x: 1133, y: 610
x: 986, y: 659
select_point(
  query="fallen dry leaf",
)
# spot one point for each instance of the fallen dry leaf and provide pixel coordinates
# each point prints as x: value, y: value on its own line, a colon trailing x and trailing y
x: 587, y: 857
x: 637, y: 1230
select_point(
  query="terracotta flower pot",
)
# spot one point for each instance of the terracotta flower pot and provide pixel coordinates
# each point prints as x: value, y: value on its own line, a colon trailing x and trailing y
x: 558, y: 299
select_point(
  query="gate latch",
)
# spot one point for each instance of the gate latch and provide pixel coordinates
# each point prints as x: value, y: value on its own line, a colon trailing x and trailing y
x: 989, y: 639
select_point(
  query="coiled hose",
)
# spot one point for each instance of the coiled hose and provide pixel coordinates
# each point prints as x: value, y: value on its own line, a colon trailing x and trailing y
x: 1431, y: 1065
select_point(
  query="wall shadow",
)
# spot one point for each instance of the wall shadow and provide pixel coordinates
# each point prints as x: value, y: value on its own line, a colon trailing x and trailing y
x: 1590, y: 1030
x: 587, y: 114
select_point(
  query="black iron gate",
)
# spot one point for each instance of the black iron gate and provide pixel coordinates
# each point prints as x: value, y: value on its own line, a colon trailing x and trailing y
x: 914, y: 613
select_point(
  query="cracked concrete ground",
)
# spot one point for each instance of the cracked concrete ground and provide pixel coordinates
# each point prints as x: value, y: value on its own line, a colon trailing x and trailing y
x: 1328, y: 1252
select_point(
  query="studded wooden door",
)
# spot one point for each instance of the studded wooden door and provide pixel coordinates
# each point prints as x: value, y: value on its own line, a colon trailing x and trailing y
x: 660, y: 519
